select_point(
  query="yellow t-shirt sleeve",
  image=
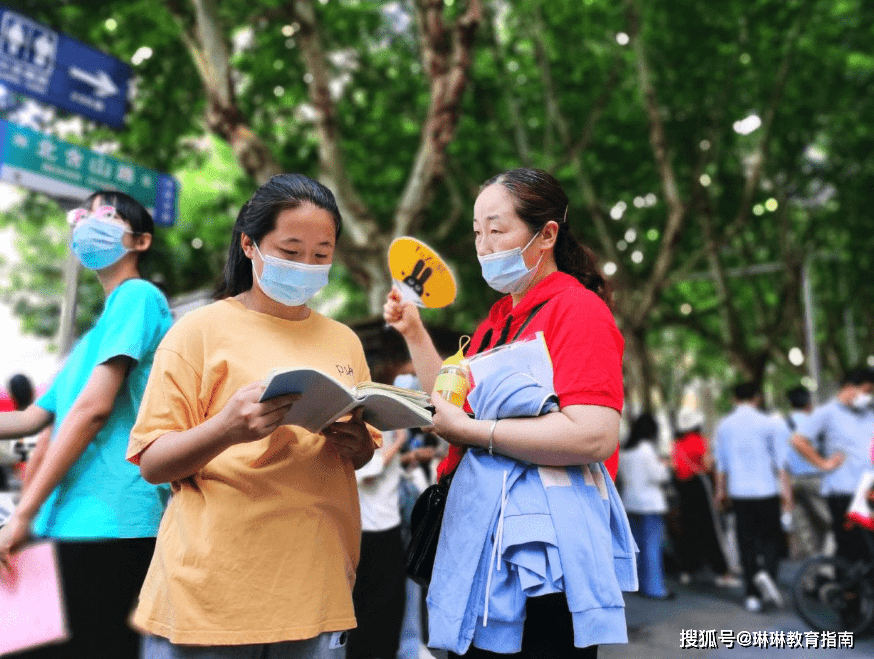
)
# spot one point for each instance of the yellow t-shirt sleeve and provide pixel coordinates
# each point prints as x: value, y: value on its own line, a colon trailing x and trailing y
x: 170, y: 402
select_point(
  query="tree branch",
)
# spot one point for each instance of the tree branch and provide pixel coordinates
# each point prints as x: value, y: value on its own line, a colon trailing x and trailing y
x: 358, y: 220
x: 446, y: 57
x: 605, y: 240
x: 520, y: 133
x: 457, y: 207
x: 574, y: 150
x: 210, y: 53
x: 753, y: 181
x: 659, y: 144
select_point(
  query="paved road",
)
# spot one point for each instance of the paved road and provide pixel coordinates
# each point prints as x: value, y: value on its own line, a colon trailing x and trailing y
x: 655, y: 629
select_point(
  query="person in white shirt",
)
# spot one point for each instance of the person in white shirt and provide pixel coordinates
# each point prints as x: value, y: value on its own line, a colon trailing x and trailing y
x: 643, y: 475
x: 749, y: 472
x: 380, y: 586
x: 847, y: 421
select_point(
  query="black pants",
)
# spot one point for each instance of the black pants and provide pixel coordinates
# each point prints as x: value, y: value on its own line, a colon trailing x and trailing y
x: 699, y: 545
x: 760, y: 538
x: 379, y: 596
x: 548, y: 633
x: 101, y: 581
x: 850, y: 543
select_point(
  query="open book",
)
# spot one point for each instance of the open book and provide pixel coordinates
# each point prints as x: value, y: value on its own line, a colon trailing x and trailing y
x: 324, y: 400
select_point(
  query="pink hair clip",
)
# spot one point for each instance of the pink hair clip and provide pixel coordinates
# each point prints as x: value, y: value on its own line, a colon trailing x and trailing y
x: 76, y: 215
x: 105, y: 213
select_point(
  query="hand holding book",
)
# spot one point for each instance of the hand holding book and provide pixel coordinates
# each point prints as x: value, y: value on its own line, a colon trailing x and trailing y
x: 348, y: 435
x: 323, y: 400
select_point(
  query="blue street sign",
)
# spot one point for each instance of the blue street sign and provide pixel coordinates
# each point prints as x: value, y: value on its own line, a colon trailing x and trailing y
x: 57, y: 69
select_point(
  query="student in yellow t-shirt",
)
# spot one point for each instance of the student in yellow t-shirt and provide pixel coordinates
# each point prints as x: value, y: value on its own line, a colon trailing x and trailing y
x: 257, y: 551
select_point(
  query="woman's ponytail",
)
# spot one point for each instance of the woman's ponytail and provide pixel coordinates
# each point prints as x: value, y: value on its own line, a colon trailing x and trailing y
x: 579, y: 261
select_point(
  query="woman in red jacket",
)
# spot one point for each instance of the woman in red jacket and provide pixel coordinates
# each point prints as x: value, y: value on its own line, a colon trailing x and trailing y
x: 526, y: 250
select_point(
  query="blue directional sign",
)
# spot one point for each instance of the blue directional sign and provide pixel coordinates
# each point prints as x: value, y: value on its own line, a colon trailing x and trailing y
x: 57, y: 69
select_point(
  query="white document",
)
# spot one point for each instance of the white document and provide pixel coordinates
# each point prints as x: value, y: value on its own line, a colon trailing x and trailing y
x: 530, y: 356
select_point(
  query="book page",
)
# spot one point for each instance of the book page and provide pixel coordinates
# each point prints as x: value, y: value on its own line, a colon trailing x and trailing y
x: 31, y: 600
x: 413, y: 395
x: 388, y: 411
x: 323, y: 399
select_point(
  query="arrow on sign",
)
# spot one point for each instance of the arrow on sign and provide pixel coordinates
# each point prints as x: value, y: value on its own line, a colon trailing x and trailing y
x: 102, y: 83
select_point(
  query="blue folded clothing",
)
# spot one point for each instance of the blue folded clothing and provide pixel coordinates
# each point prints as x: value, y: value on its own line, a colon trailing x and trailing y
x: 507, y: 393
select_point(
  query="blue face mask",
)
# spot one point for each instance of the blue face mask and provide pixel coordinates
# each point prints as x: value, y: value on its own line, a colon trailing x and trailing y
x: 506, y: 271
x: 97, y: 244
x: 290, y: 283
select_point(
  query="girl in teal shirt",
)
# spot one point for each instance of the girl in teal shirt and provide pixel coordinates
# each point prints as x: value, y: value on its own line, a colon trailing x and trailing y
x: 81, y: 492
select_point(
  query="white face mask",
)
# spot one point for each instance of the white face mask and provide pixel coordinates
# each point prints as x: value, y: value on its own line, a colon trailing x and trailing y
x: 862, y: 401
x: 288, y: 282
x: 506, y: 271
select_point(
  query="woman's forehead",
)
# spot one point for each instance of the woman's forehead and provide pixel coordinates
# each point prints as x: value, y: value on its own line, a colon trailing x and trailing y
x: 304, y: 224
x: 494, y: 203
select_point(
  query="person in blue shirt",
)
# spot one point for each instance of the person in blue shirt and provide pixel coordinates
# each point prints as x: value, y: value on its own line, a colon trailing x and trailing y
x: 82, y: 493
x: 749, y: 471
x: 811, y: 520
x: 847, y: 421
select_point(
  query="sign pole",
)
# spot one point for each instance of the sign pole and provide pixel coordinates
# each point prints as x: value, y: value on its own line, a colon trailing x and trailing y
x: 67, y: 328
x: 67, y: 325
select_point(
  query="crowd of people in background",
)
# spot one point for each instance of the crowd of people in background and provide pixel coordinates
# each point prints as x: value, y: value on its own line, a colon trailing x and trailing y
x: 771, y: 485
x: 292, y: 543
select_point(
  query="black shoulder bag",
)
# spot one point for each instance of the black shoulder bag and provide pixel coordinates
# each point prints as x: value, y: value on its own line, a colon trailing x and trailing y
x: 427, y: 516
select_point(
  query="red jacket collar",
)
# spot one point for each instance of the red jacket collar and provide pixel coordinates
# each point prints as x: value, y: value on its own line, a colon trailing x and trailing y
x: 545, y: 289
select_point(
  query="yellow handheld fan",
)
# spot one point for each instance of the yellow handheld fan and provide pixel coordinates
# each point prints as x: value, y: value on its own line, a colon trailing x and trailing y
x: 420, y: 274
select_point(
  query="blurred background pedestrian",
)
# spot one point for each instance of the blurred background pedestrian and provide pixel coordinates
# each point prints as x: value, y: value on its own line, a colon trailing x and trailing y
x: 811, y: 519
x: 700, y: 542
x: 847, y: 423
x: 749, y: 459
x: 20, y: 396
x: 643, y: 475
x: 379, y: 594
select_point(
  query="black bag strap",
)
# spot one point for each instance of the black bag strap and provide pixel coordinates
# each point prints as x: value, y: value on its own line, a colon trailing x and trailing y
x: 528, y: 320
x: 502, y: 339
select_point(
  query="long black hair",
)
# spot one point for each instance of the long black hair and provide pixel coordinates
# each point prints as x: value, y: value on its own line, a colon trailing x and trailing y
x: 643, y: 428
x: 538, y: 198
x: 258, y: 216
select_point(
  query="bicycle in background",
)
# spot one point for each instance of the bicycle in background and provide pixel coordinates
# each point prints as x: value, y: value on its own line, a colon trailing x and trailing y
x: 833, y: 594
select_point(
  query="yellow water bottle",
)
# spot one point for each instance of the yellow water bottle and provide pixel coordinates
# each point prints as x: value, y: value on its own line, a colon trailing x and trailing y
x: 453, y: 380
